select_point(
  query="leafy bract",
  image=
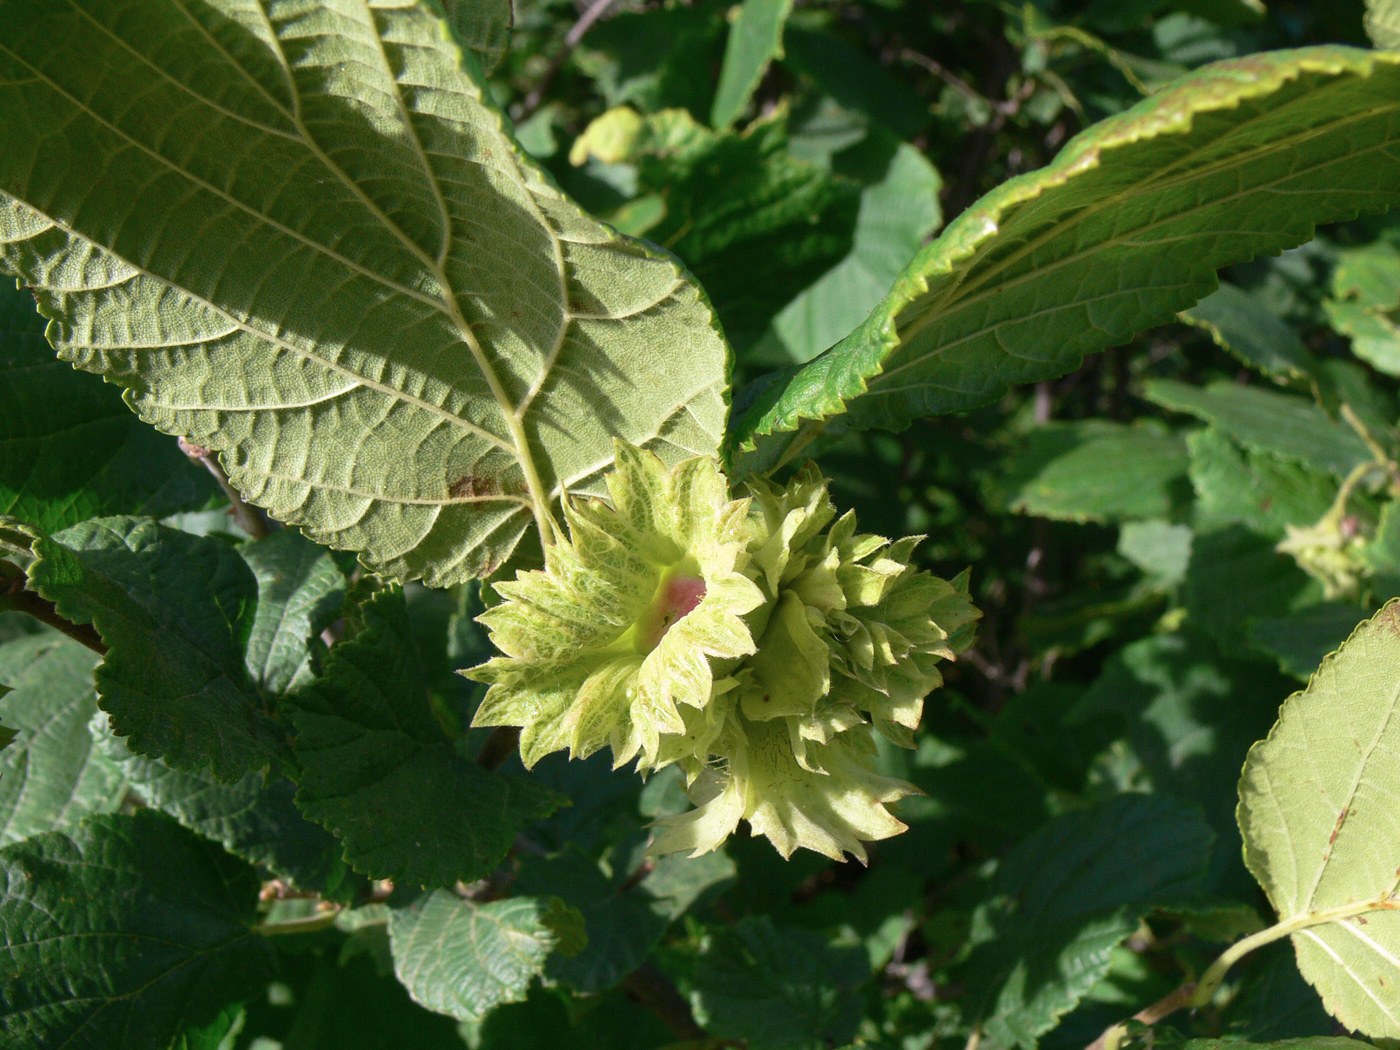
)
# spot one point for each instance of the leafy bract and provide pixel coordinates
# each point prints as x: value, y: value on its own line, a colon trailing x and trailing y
x: 122, y: 932
x: 69, y: 448
x: 378, y: 772
x: 1322, y: 829
x: 462, y: 958
x: 755, y: 38
x: 174, y: 611
x: 51, y: 775
x: 1070, y: 893
x: 303, y: 238
x: 1383, y: 22
x: 1120, y: 232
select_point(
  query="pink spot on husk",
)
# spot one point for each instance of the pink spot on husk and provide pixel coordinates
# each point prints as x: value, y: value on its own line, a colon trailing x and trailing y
x: 678, y: 598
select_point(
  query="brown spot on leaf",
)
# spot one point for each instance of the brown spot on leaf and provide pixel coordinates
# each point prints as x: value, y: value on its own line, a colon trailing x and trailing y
x: 470, y: 486
x: 1341, y: 817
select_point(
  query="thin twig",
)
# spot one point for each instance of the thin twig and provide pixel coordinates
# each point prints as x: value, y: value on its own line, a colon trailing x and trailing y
x: 595, y: 11
x: 1377, y: 450
x: 247, y: 517
x: 654, y: 990
x: 14, y: 595
x: 951, y: 79
x: 637, y: 877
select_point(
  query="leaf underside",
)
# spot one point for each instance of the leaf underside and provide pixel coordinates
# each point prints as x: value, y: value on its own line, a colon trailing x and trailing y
x: 300, y: 236
x: 1124, y: 229
x: 1322, y: 828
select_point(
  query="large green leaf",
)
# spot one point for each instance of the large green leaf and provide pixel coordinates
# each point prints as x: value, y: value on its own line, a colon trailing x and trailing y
x: 462, y: 958
x: 1120, y: 232
x: 342, y: 999
x: 754, y: 224
x: 69, y: 448
x: 300, y: 592
x: 1321, y: 825
x: 254, y: 818
x: 899, y: 208
x: 482, y: 25
x: 1184, y: 716
x: 51, y: 775
x: 624, y: 918
x: 379, y: 774
x: 1066, y: 896
x: 122, y: 932
x: 1236, y: 575
x: 302, y: 237
x: 175, y: 611
x: 755, y: 39
x: 1243, y: 325
x: 1268, y: 421
x: 1365, y: 293
x: 1257, y: 488
x: 1314, y: 1043
x: 1300, y: 640
x: 1094, y: 470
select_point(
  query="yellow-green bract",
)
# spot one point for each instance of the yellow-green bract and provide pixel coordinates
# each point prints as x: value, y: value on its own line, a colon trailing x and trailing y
x: 753, y: 642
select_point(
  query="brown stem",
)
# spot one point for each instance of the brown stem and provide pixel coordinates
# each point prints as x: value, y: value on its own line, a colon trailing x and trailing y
x: 498, y: 747
x: 654, y: 990
x: 634, y: 880
x: 1158, y: 1011
x: 14, y: 595
x: 247, y: 517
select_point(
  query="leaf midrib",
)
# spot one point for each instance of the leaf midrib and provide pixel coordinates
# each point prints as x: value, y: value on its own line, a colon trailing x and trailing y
x: 1341, y: 964
x: 1345, y: 810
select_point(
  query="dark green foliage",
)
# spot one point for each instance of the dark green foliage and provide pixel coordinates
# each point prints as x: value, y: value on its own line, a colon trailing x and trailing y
x: 123, y: 932
x: 1008, y: 279
x: 379, y: 773
x: 69, y: 448
x: 782, y: 988
x: 1066, y: 896
x: 175, y: 612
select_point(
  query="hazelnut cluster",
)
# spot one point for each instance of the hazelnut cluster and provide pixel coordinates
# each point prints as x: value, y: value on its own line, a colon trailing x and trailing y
x: 755, y: 643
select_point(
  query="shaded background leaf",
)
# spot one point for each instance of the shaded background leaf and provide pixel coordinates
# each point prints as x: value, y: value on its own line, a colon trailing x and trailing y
x: 122, y: 932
